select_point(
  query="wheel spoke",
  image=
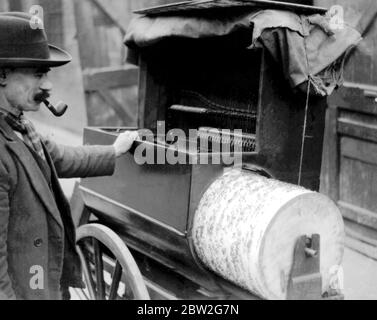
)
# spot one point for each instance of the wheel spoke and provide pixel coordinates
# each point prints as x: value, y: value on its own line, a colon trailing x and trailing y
x: 117, y: 275
x: 99, y: 270
x: 87, y: 273
x: 107, y: 256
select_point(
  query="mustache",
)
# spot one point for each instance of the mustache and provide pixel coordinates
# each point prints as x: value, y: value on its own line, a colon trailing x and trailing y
x: 41, y: 96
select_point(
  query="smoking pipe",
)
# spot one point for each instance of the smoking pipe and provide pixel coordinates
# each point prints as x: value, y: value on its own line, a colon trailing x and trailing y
x: 57, y: 111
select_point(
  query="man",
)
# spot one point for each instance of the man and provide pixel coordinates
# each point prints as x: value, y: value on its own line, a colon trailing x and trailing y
x: 36, y: 229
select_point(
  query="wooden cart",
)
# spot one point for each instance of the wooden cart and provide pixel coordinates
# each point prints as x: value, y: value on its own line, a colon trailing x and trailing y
x: 135, y: 228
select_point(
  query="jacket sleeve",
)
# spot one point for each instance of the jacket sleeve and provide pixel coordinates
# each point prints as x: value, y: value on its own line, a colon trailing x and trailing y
x: 81, y: 162
x: 6, y: 289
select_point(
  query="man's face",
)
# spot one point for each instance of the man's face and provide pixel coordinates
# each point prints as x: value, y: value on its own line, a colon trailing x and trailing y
x: 26, y: 88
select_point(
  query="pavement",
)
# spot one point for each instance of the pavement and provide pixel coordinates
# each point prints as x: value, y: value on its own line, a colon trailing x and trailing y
x: 360, y: 276
x: 360, y: 271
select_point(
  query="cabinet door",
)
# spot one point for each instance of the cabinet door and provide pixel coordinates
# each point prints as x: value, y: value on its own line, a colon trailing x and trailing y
x: 349, y: 174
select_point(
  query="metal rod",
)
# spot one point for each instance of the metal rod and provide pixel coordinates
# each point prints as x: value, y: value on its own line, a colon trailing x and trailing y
x: 304, y: 134
x: 177, y: 107
x: 223, y: 113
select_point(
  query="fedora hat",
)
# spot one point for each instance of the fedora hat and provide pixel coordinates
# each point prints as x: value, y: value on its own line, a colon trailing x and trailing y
x: 22, y: 46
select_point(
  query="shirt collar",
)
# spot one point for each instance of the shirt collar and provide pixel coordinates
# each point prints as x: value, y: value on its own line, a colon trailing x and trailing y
x: 13, y: 111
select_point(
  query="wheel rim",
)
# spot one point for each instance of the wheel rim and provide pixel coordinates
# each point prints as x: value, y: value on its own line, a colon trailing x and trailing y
x: 98, y: 248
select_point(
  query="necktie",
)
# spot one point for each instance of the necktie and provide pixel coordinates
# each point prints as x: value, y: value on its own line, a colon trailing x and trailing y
x: 27, y: 129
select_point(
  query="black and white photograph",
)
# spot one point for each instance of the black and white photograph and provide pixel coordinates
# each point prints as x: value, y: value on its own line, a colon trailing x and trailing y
x: 209, y: 152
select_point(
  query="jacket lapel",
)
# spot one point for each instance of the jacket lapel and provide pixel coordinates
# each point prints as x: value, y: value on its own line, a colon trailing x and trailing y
x: 34, y: 173
x: 36, y: 177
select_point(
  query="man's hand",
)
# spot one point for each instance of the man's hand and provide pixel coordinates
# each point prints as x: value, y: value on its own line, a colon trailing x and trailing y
x: 124, y: 142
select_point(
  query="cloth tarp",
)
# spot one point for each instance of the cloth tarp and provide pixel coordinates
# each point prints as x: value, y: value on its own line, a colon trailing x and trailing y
x: 305, y: 47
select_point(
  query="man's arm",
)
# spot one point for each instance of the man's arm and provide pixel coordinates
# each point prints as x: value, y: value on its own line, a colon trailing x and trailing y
x: 88, y: 161
x: 81, y: 162
x: 6, y: 290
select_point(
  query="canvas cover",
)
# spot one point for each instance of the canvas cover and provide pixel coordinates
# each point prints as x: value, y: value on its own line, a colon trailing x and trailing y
x: 306, y: 47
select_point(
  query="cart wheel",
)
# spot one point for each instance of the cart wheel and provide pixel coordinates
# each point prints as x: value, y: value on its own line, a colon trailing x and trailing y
x: 98, y: 247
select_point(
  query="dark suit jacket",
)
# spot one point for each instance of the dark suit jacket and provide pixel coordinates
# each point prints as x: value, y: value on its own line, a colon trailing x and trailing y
x: 36, y: 228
